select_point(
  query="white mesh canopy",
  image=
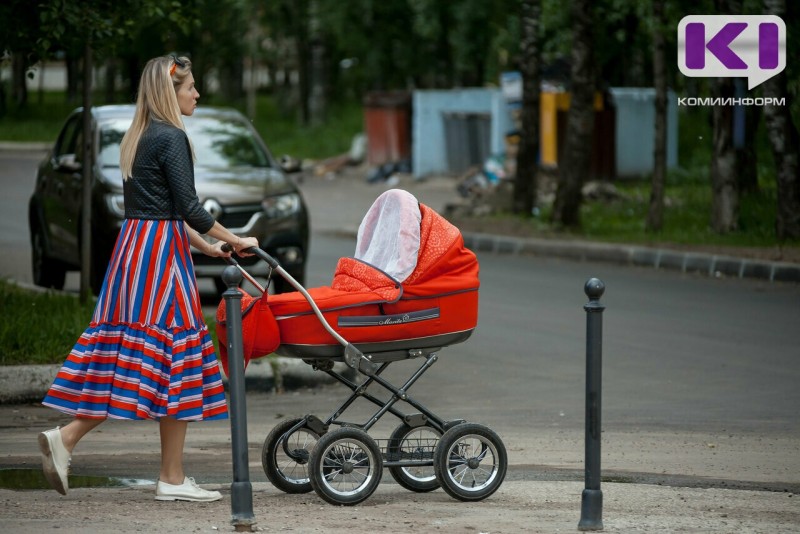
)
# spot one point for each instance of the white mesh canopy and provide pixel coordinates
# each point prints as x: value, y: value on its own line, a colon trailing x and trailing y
x: 388, y: 237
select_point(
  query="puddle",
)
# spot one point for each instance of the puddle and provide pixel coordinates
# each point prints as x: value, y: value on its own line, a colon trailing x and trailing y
x: 33, y: 479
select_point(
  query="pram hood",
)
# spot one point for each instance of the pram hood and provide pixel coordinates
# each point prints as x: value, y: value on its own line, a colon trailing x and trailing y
x: 389, y: 234
x: 424, y: 256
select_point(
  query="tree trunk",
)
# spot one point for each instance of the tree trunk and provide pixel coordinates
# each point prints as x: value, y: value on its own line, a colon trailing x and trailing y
x: 86, y: 199
x: 724, y: 171
x: 303, y: 49
x: 785, y: 141
x: 19, y: 81
x: 724, y: 160
x: 73, y: 75
x: 576, y: 158
x: 525, y: 181
x: 655, y: 213
x: 745, y: 128
x: 110, y: 88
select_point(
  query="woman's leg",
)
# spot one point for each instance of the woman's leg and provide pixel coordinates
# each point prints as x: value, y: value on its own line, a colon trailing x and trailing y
x: 171, y: 485
x: 72, y: 433
x: 56, y: 446
x: 173, y: 436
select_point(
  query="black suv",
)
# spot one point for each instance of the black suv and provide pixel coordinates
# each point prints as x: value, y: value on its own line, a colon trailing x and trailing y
x: 237, y: 179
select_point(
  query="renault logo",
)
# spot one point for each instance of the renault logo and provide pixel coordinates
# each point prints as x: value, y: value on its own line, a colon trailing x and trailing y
x: 213, y: 207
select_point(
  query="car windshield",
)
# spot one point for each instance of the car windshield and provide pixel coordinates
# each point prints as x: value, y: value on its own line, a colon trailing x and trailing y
x: 218, y: 142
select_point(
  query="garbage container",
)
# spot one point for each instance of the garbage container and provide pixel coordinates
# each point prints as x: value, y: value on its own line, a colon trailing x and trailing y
x: 467, y: 138
x: 387, y: 124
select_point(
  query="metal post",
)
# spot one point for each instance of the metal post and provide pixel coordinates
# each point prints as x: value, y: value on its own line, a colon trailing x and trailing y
x: 242, y: 517
x: 592, y: 496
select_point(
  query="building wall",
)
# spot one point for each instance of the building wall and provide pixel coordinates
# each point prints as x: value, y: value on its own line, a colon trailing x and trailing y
x: 635, y: 130
x: 429, y: 142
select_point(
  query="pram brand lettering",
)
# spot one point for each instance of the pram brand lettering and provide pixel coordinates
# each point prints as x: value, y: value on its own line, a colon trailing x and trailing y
x: 388, y: 320
x: 751, y: 46
x: 396, y: 320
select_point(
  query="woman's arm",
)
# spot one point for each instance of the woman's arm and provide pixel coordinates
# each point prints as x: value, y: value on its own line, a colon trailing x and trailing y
x: 223, y: 235
x: 238, y: 243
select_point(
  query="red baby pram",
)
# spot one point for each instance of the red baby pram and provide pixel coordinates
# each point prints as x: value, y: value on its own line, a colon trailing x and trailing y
x: 411, y: 289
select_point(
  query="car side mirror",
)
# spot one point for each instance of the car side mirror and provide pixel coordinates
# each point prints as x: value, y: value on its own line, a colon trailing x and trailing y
x: 289, y: 164
x: 67, y: 162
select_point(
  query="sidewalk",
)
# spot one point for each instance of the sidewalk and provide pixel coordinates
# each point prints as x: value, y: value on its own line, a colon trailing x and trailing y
x: 535, y: 507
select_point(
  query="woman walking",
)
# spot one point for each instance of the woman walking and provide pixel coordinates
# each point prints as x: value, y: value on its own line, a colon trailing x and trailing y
x: 147, y: 353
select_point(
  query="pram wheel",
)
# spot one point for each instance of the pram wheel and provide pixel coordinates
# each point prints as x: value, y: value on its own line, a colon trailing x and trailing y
x: 285, y: 462
x: 470, y: 462
x: 411, y: 444
x: 346, y: 466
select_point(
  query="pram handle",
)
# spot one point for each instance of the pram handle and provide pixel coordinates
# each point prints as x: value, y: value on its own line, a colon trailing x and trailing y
x: 352, y: 354
x: 272, y: 262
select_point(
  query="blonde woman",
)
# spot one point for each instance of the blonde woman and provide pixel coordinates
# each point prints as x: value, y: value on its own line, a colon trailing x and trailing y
x: 147, y: 353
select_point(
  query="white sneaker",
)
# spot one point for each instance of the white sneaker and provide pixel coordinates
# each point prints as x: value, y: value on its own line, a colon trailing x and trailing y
x: 188, y: 491
x: 55, y: 459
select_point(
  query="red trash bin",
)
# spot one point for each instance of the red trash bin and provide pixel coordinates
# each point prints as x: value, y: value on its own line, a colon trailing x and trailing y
x: 387, y: 124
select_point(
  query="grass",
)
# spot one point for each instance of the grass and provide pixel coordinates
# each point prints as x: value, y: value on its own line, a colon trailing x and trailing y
x: 40, y: 121
x: 41, y: 327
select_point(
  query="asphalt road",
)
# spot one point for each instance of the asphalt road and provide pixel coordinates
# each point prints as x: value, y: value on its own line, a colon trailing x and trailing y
x: 687, y: 361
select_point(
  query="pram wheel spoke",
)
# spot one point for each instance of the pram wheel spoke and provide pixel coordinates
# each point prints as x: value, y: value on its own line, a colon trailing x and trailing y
x: 470, y: 462
x: 345, y: 466
x: 413, y: 444
x: 285, y: 461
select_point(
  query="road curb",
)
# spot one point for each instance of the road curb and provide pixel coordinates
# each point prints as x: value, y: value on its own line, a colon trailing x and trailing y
x: 24, y: 147
x: 717, y: 266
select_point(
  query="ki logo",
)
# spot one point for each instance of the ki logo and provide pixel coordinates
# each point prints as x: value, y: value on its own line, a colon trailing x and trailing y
x: 742, y: 46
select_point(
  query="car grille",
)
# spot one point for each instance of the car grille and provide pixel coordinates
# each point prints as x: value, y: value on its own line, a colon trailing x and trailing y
x: 237, y: 216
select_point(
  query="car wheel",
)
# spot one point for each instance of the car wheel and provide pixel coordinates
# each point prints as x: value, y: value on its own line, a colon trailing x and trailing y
x: 47, y: 272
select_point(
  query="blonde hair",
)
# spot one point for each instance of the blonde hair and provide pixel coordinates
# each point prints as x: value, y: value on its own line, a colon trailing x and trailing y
x: 157, y: 99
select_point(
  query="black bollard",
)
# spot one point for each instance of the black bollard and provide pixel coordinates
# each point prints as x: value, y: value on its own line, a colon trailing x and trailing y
x: 242, y: 517
x: 592, y: 496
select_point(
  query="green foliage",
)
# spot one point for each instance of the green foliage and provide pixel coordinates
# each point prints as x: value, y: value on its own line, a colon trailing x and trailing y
x: 41, y: 327
x: 285, y: 135
x: 686, y: 217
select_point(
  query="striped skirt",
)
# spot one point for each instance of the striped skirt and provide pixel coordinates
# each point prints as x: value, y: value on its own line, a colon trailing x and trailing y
x: 147, y: 352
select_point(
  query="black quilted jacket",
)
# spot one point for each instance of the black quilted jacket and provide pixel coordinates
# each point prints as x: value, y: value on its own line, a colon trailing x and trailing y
x: 162, y: 181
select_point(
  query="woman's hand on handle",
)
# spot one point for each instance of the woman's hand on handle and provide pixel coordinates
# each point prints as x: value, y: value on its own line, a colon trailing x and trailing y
x: 215, y: 250
x: 244, y: 243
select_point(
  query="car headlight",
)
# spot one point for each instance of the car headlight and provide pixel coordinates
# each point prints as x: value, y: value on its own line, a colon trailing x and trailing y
x: 281, y: 205
x: 116, y: 205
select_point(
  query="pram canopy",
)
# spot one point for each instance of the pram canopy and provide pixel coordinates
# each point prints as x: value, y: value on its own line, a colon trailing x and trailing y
x: 411, y: 284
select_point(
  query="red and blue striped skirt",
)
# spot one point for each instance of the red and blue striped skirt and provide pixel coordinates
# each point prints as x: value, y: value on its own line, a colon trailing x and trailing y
x: 147, y: 353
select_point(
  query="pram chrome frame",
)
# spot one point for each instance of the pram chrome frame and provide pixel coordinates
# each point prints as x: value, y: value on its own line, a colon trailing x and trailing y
x: 468, y: 460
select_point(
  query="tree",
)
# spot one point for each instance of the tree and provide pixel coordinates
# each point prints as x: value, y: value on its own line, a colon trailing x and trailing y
x: 655, y: 213
x: 783, y: 137
x: 724, y: 156
x: 574, y: 164
x: 525, y: 182
x: 20, y: 41
x: 94, y: 26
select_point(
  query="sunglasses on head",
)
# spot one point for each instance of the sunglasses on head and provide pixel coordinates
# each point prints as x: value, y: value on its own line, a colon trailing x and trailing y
x: 175, y: 63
